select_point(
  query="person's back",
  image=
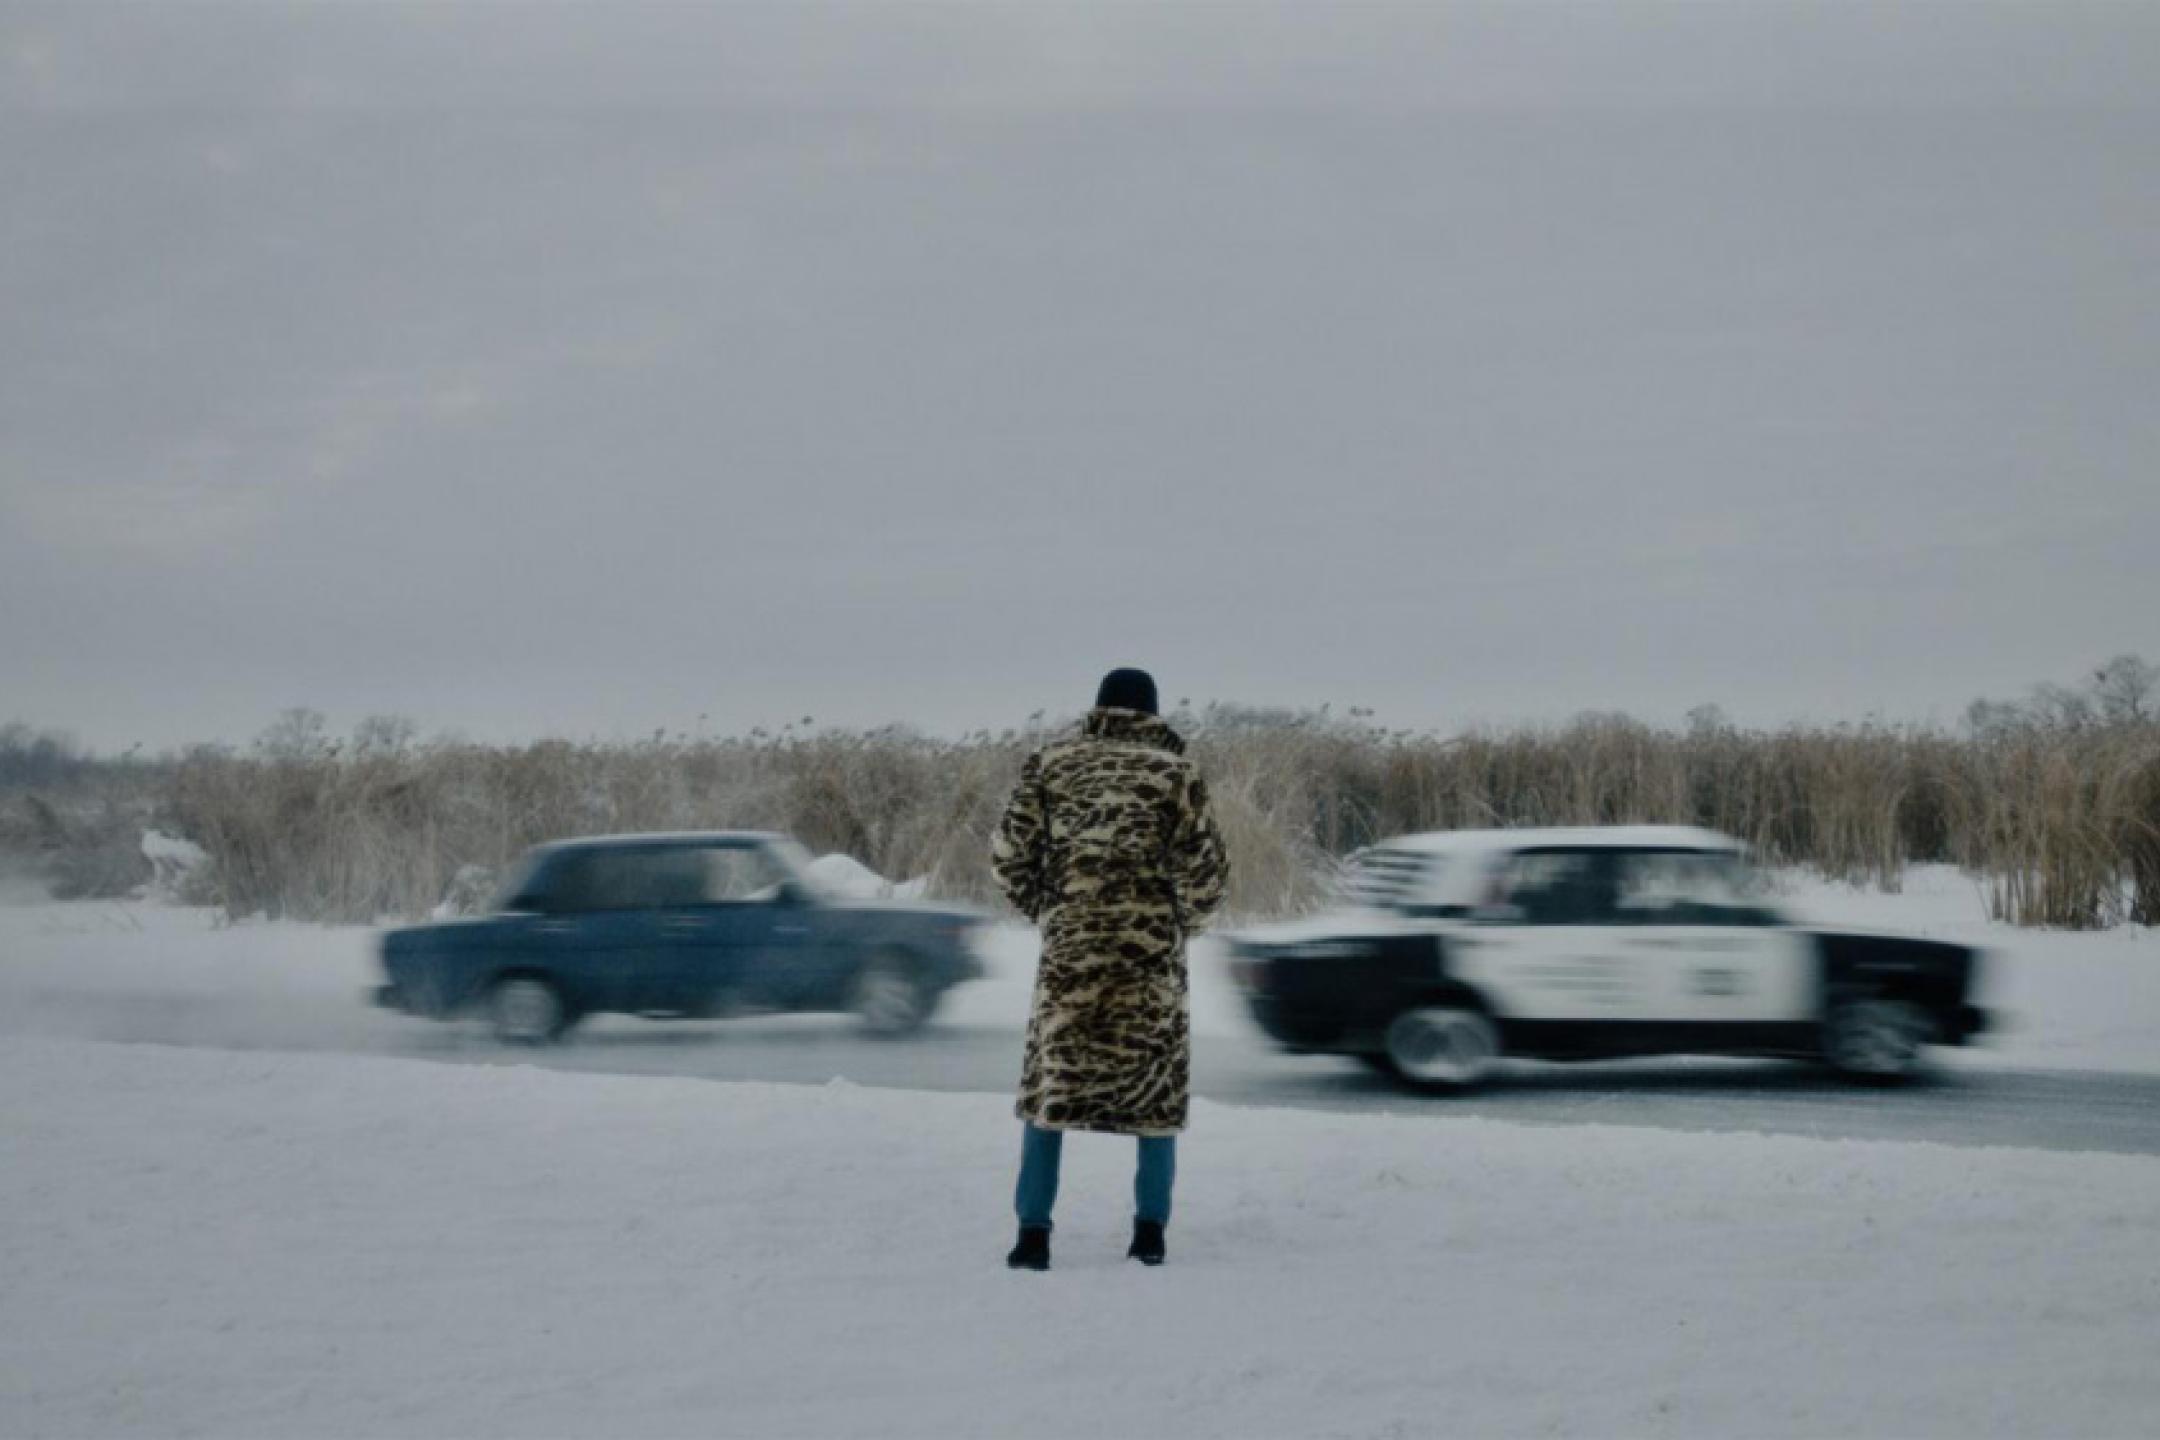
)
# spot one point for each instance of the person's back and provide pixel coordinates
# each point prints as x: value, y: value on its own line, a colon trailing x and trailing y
x: 1107, y: 843
x: 1121, y: 809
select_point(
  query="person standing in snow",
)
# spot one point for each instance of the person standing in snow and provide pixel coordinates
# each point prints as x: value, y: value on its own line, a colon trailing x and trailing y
x: 1108, y: 845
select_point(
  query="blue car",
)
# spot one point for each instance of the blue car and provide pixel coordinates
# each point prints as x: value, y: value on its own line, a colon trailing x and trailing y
x: 691, y: 925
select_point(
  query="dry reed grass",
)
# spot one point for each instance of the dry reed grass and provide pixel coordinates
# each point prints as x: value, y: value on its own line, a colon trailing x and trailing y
x: 2064, y: 822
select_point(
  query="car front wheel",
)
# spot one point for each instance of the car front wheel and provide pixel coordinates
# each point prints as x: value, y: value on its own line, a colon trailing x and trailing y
x: 1876, y: 1039
x: 890, y: 998
x: 1442, y: 1047
x: 524, y: 1010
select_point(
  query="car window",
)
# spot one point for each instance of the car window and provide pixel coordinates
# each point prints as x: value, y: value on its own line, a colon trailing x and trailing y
x: 524, y: 884
x: 1684, y: 887
x: 793, y: 863
x: 739, y: 873
x: 674, y: 877
x: 624, y: 879
x: 1559, y: 887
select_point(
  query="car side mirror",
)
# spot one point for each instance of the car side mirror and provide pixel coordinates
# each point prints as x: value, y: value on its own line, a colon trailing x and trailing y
x: 537, y: 904
x: 790, y: 892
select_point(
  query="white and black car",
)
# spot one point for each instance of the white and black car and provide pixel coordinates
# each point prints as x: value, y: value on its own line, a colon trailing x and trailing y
x: 1457, y: 949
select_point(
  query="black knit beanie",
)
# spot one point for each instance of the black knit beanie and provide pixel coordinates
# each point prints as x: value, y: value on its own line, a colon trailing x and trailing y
x: 1128, y: 690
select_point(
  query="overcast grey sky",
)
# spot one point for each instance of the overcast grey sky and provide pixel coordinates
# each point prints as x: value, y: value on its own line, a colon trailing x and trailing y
x: 593, y: 367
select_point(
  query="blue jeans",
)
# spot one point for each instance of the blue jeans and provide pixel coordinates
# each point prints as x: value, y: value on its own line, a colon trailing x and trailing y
x: 1041, y: 1150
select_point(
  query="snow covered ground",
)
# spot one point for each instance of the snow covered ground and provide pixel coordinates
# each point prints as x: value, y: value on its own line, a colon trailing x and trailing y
x: 208, y: 1242
x: 154, y: 972
x: 239, y: 1240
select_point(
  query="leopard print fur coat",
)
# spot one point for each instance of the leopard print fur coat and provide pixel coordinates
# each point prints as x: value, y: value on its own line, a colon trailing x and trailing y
x: 1108, y: 845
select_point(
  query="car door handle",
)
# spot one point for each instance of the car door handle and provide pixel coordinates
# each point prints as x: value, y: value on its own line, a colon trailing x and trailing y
x: 790, y: 929
x: 554, y: 927
x: 686, y: 922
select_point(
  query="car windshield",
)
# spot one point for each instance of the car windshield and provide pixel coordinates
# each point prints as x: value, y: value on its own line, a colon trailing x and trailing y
x: 516, y: 880
x: 797, y: 863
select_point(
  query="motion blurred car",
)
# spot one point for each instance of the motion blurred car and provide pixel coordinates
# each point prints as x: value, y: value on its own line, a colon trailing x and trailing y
x: 692, y: 925
x: 1455, y: 950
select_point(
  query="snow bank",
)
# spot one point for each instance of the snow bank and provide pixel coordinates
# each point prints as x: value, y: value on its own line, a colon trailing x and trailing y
x: 173, y: 862
x: 846, y: 876
x: 240, y: 1245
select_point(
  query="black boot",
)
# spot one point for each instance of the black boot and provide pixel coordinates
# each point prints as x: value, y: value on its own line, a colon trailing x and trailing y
x: 1032, y: 1251
x: 1147, y: 1242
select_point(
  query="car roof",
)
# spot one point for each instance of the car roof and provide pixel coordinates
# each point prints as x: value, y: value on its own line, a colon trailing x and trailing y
x: 1616, y: 837
x: 666, y: 837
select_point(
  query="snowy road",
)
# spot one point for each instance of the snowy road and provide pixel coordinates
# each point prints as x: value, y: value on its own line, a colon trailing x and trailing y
x: 1967, y: 1101
x: 2076, y: 1066
x: 1962, y: 1104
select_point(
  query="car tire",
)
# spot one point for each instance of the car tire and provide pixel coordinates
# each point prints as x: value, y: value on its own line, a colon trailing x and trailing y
x: 889, y: 996
x: 1442, y: 1048
x: 1876, y: 1040
x: 526, y: 1010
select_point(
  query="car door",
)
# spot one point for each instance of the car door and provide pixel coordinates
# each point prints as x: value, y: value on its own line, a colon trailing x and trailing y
x: 791, y: 956
x: 1547, y: 945
x: 734, y: 937
x: 682, y: 961
x: 1714, y: 956
x: 592, y: 931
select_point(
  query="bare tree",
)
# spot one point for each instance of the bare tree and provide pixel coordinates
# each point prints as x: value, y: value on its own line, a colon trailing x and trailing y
x: 298, y: 734
x: 2058, y: 707
x: 381, y: 735
x: 2123, y: 689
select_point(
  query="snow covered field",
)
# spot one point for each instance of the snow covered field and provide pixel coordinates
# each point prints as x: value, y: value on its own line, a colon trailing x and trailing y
x: 241, y: 1240
x: 204, y: 1242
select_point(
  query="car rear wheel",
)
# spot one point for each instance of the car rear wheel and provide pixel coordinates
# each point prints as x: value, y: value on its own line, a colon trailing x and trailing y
x: 525, y: 1010
x: 1442, y: 1047
x: 1876, y: 1039
x: 890, y: 998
